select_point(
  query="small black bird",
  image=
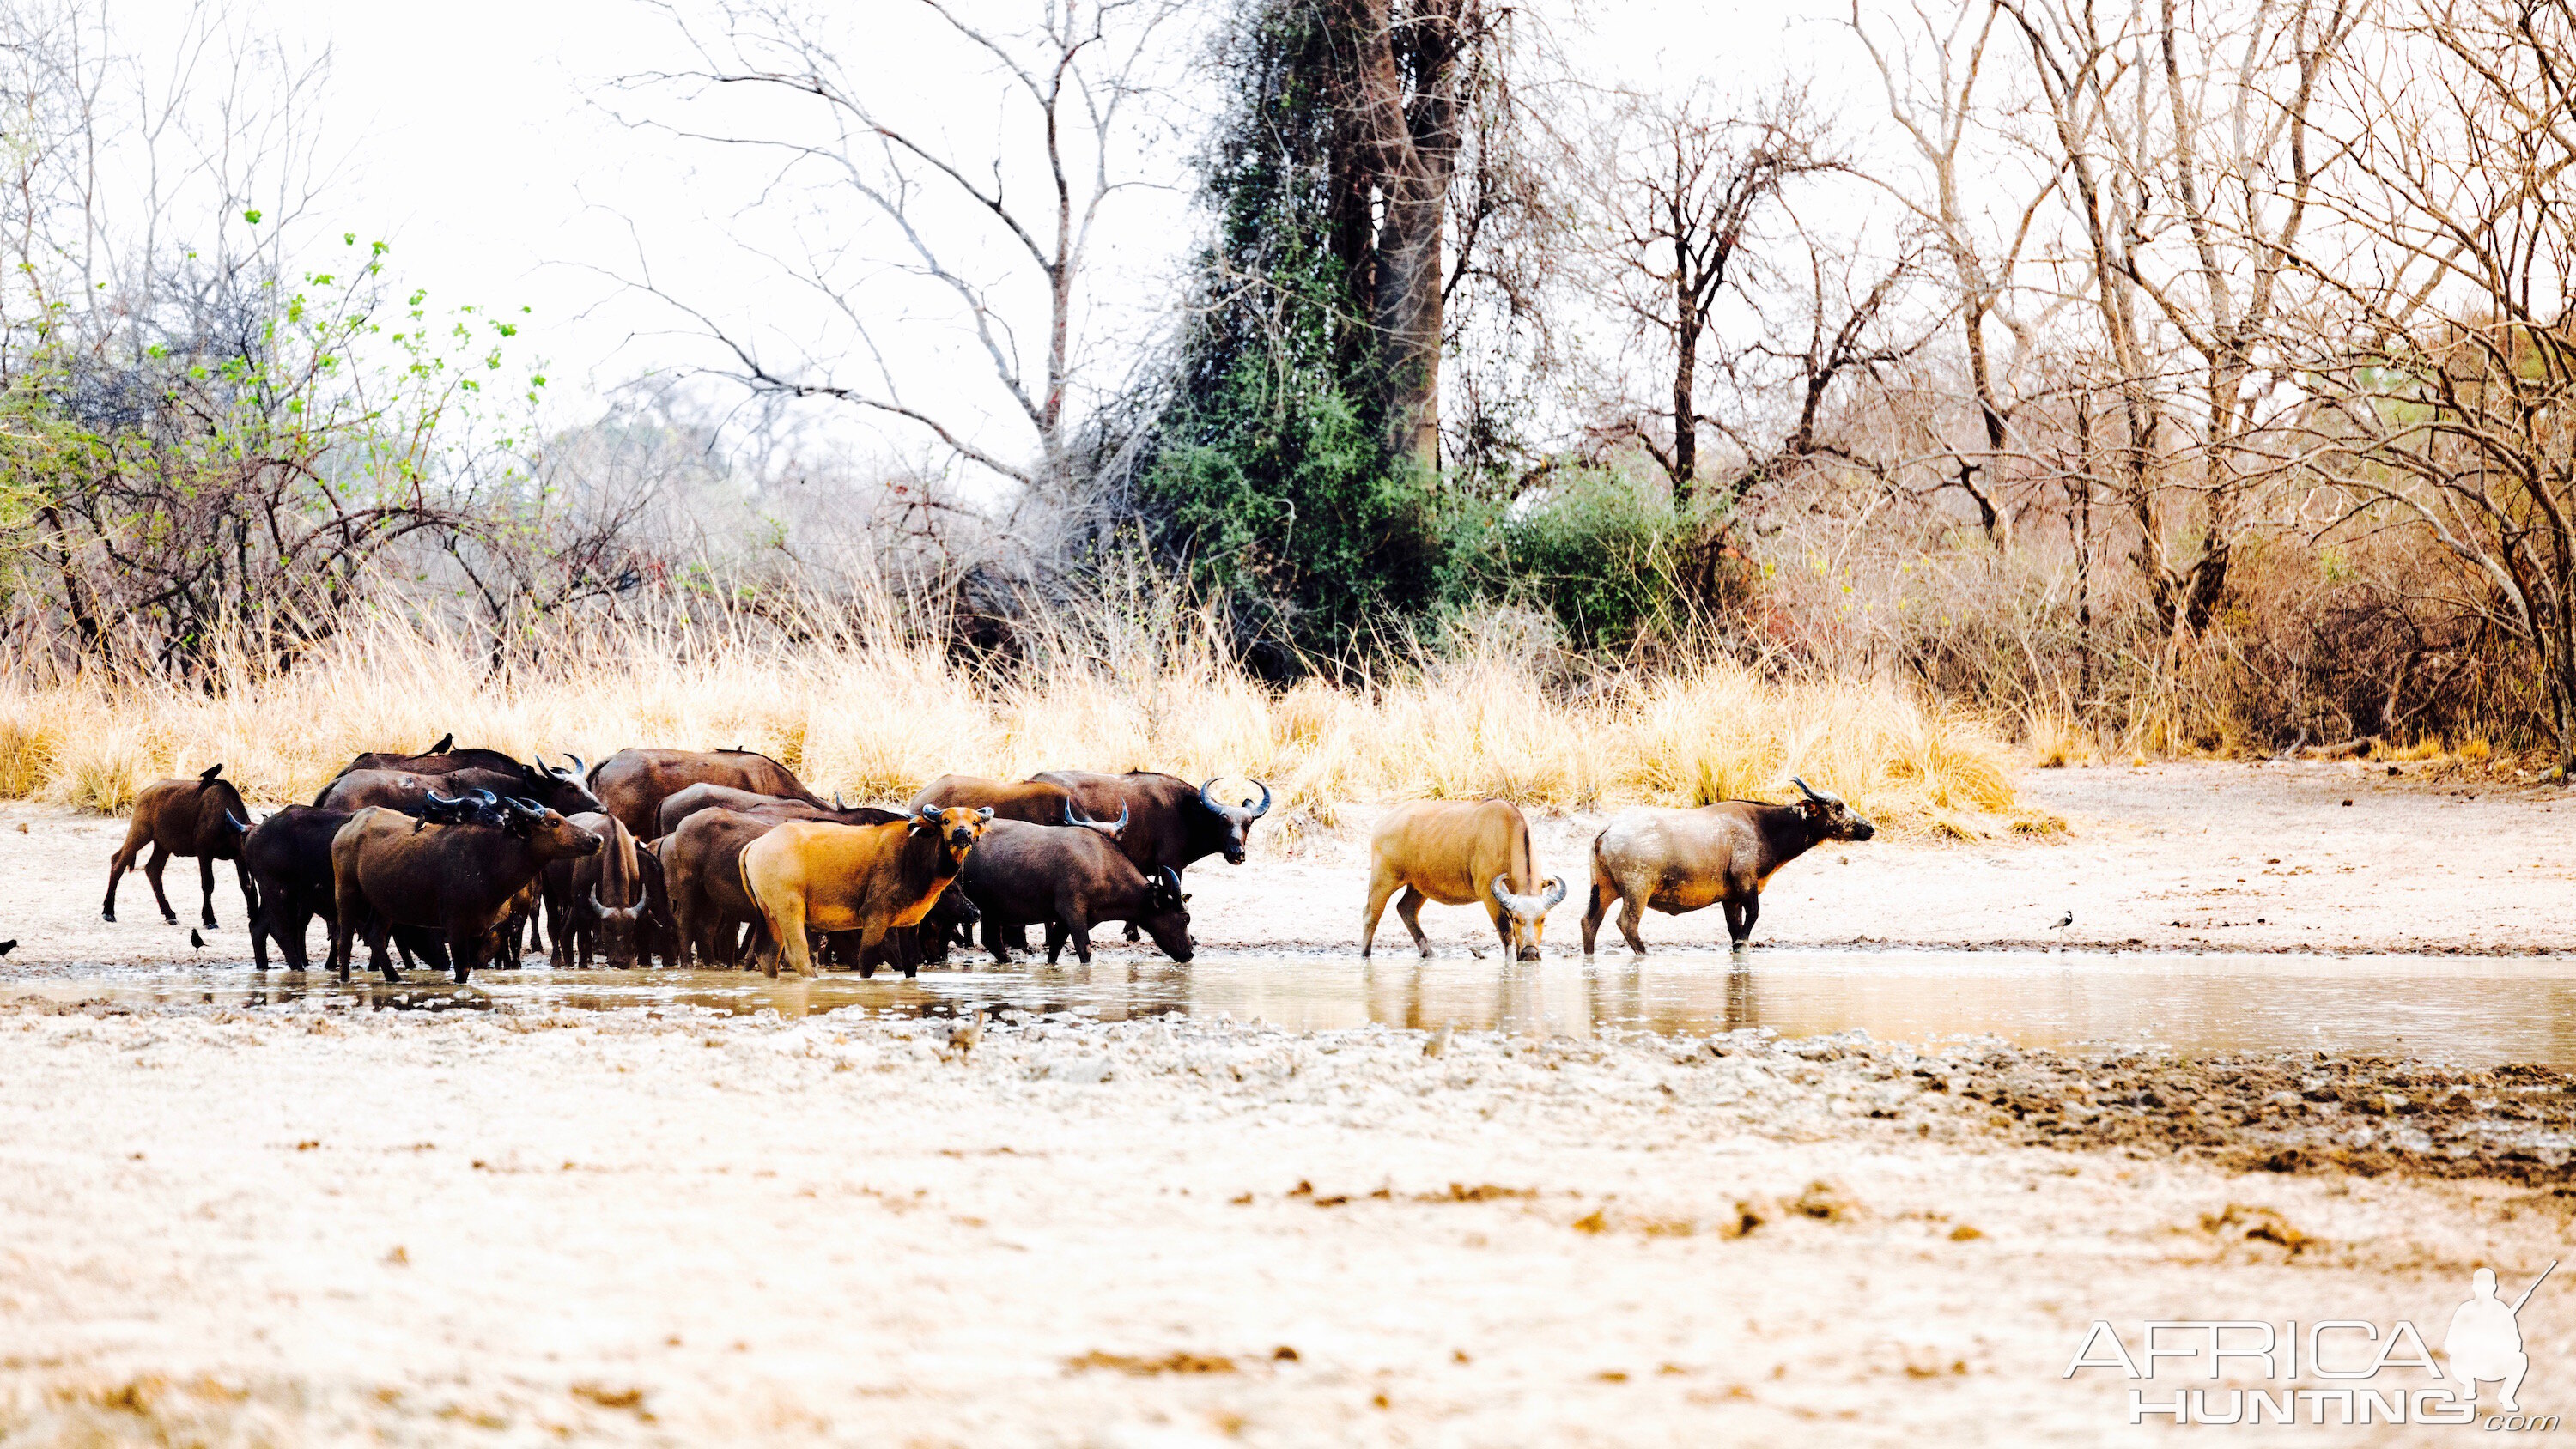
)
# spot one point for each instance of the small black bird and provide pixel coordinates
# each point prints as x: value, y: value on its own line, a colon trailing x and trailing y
x: 196, y: 940
x: 212, y: 771
x: 445, y: 743
x: 8, y: 946
x: 2064, y: 921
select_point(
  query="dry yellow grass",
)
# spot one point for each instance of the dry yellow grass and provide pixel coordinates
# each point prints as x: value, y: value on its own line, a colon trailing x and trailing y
x: 865, y: 713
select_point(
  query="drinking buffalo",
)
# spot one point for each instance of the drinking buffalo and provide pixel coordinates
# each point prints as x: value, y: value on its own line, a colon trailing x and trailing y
x: 597, y: 903
x: 389, y: 870
x: 632, y: 784
x: 1172, y: 823
x: 810, y: 875
x: 203, y: 817
x: 1069, y: 881
x: 1457, y: 853
x: 1683, y: 860
x: 288, y: 856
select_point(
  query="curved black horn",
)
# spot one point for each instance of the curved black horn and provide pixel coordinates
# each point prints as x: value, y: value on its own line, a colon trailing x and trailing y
x: 1210, y: 800
x: 1264, y: 807
x: 529, y: 808
x: 1172, y: 881
x: 1812, y: 793
x: 238, y: 823
x: 437, y: 799
x: 984, y: 814
x: 580, y: 766
x: 485, y: 797
x: 928, y: 813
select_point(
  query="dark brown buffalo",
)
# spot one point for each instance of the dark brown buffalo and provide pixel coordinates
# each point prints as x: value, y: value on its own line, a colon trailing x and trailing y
x: 404, y: 790
x: 632, y: 784
x: 699, y: 797
x: 288, y: 856
x: 1174, y: 823
x: 390, y: 870
x: 702, y: 869
x: 596, y: 904
x: 203, y: 817
x: 1069, y: 881
x: 1038, y: 802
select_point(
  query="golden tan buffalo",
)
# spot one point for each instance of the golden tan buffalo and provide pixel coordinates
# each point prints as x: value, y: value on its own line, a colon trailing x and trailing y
x: 1459, y: 853
x: 1687, y: 860
x: 811, y: 875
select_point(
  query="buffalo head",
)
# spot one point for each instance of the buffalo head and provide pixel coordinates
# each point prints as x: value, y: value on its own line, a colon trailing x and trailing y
x: 1234, y: 822
x: 1840, y: 821
x: 957, y: 827
x: 548, y: 834
x: 1167, y: 915
x: 1528, y: 914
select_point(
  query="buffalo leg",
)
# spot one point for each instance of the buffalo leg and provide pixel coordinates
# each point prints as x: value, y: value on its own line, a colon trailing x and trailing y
x: 466, y: 947
x: 152, y: 872
x: 121, y: 862
x: 1380, y: 887
x: 1055, y: 941
x: 1632, y: 914
x: 249, y: 888
x: 1595, y: 906
x: 1408, y: 909
x: 786, y: 923
x: 1740, y: 916
x: 206, y: 885
x: 377, y: 931
x: 993, y: 941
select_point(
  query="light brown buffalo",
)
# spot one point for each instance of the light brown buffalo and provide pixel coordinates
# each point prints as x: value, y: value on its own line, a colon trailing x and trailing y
x: 1459, y: 853
x: 810, y: 875
x: 1687, y: 860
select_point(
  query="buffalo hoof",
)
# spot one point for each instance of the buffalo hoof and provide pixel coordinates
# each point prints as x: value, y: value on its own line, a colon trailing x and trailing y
x: 909, y: 972
x: 867, y: 969
x: 169, y: 918
x: 107, y: 916
x: 210, y: 922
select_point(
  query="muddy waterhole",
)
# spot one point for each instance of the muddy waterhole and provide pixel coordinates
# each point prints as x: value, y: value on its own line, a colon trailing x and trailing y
x: 2468, y: 1009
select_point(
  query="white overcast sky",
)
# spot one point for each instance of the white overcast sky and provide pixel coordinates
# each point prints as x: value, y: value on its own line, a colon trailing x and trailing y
x: 476, y: 144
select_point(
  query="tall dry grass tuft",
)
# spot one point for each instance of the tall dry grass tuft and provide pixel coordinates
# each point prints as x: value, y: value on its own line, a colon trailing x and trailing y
x: 855, y: 705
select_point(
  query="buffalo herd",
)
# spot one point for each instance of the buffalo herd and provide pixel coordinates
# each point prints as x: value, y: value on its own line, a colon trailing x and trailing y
x: 462, y: 858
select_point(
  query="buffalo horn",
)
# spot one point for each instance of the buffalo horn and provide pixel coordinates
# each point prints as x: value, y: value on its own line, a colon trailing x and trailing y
x: 1502, y: 897
x: 1555, y: 891
x: 984, y: 814
x: 929, y: 815
x: 837, y: 802
x: 580, y: 766
x: 238, y: 823
x: 527, y: 808
x: 1264, y: 807
x: 437, y: 799
x: 1812, y: 793
x: 1172, y: 881
x: 1210, y: 800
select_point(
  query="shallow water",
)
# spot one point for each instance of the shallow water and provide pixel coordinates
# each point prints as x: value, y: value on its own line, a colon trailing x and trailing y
x: 2465, y: 1009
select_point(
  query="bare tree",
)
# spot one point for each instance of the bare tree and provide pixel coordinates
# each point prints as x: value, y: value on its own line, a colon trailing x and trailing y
x: 2184, y: 134
x: 2442, y: 371
x: 1682, y: 189
x: 1069, y: 103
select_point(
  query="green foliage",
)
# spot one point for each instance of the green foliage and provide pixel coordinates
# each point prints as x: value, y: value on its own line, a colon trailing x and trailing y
x: 1604, y: 552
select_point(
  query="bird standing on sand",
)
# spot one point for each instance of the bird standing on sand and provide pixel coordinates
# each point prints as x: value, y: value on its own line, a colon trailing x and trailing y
x: 8, y: 946
x: 962, y: 1037
x: 2064, y: 921
x: 196, y: 940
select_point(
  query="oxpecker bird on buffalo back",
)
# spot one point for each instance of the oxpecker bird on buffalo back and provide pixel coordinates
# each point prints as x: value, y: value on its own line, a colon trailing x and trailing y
x: 1686, y: 860
x: 1459, y: 853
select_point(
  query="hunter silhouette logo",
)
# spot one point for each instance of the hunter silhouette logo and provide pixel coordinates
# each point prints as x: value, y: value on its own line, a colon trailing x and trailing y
x: 2346, y: 1371
x: 2485, y: 1341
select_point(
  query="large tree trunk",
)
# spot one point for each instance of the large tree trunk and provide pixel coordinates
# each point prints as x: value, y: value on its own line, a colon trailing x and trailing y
x: 1402, y: 97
